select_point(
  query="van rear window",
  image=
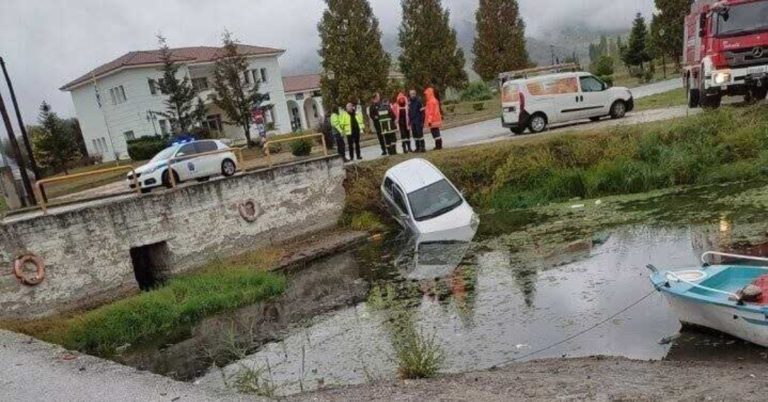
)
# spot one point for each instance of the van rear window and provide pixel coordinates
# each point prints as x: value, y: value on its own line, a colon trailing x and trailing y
x: 556, y: 86
x: 510, y: 93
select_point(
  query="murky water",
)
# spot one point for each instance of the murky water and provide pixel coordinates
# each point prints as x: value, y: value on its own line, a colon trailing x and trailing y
x: 497, y: 306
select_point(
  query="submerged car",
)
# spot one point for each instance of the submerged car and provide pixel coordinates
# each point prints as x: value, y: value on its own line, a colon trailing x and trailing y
x: 191, y: 161
x: 422, y: 200
x: 438, y: 254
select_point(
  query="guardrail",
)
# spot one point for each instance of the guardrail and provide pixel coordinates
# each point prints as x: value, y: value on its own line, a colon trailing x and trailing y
x: 237, y: 151
x: 291, y: 139
x: 43, y: 204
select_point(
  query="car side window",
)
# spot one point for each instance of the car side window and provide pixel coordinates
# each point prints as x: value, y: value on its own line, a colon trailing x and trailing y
x: 206, y: 146
x: 400, y: 200
x: 186, y: 150
x: 388, y: 184
x: 591, y: 84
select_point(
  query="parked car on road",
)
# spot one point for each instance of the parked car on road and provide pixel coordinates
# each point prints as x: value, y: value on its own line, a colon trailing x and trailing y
x: 423, y: 200
x: 188, y: 164
x: 535, y: 103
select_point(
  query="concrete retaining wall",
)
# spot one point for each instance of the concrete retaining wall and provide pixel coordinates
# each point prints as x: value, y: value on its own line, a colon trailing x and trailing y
x: 87, y: 251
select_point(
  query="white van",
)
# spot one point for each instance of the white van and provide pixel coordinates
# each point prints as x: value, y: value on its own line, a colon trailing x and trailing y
x: 535, y: 103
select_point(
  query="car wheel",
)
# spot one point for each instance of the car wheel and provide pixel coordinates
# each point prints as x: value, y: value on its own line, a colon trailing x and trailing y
x: 167, y: 179
x: 228, y: 168
x: 517, y: 130
x: 618, y: 109
x: 538, y: 123
x: 146, y: 190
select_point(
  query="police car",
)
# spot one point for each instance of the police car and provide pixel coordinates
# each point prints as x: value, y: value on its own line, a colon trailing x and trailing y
x: 191, y: 161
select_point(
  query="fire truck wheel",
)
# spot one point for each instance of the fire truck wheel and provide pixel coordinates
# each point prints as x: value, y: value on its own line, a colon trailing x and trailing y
x: 693, y: 98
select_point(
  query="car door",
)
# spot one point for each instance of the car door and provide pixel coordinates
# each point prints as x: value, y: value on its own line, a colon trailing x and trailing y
x: 184, y: 163
x: 401, y: 207
x: 593, y: 97
x: 207, y: 165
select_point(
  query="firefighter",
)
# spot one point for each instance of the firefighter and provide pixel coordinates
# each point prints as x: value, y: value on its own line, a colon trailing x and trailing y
x: 416, y: 113
x: 373, y: 113
x: 403, y: 121
x: 337, y: 134
x: 434, y: 118
x: 351, y: 124
x: 388, y: 127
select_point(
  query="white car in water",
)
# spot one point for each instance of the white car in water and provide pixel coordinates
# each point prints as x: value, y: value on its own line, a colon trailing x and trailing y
x: 188, y: 164
x: 423, y: 200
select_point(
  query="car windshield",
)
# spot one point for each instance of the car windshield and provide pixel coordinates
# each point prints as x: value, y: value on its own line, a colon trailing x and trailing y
x: 164, y: 154
x: 742, y: 19
x: 434, y: 200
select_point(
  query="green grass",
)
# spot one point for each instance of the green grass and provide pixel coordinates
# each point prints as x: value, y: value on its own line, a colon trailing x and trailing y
x: 181, y: 303
x: 713, y: 147
x: 675, y: 97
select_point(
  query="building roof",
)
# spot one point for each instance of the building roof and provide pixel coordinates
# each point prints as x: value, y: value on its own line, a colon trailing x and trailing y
x: 300, y: 83
x: 143, y: 58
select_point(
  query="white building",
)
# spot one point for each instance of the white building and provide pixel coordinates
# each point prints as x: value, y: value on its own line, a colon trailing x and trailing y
x: 305, y: 103
x: 119, y: 100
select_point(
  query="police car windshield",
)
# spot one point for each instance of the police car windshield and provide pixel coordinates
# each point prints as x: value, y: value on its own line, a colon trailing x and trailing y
x: 434, y: 200
x: 164, y: 154
x: 742, y: 19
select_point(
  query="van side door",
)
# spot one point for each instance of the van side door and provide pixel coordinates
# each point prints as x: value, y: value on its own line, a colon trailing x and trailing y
x: 555, y: 96
x: 594, y: 97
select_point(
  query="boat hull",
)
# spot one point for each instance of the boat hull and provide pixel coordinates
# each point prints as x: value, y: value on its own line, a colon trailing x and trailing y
x: 741, y: 323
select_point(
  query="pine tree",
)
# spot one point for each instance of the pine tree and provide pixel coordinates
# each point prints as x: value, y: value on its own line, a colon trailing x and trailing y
x: 355, y: 65
x: 182, y: 106
x: 603, y: 47
x: 430, y: 52
x: 54, y: 142
x: 500, y: 42
x: 636, y: 51
x: 234, y: 95
x: 672, y: 15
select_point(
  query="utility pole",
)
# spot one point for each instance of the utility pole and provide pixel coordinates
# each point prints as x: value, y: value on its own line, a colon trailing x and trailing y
x: 17, y: 152
x: 22, y: 127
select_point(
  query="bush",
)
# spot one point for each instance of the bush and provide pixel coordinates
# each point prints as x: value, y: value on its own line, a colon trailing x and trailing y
x: 603, y: 66
x: 477, y: 91
x: 144, y: 148
x: 302, y: 147
x: 451, y: 108
x: 608, y: 79
x: 479, y: 106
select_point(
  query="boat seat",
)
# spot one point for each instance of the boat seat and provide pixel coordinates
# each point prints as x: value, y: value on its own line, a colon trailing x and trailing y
x: 762, y: 283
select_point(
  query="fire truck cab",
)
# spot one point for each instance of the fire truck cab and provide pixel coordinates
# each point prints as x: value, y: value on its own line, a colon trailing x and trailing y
x: 725, y: 51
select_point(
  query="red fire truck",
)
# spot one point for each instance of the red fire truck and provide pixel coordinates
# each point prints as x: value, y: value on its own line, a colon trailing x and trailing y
x: 726, y: 51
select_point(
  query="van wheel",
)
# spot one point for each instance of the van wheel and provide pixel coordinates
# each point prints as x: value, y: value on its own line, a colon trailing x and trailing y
x: 167, y: 179
x: 618, y: 109
x: 538, y: 123
x: 228, y: 168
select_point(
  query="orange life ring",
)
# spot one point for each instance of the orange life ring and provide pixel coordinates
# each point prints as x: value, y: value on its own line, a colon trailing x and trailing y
x: 18, y: 269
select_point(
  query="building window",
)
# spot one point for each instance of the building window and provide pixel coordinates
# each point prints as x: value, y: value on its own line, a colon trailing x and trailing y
x: 200, y: 84
x: 95, y: 147
x: 129, y: 136
x: 164, y: 127
x: 118, y: 95
x: 265, y: 97
x: 247, y: 77
x: 213, y: 123
x: 263, y: 72
x: 299, y: 96
x: 314, y: 110
x: 152, y: 86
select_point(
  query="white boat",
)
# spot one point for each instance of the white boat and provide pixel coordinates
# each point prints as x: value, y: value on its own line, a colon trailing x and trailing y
x: 711, y: 296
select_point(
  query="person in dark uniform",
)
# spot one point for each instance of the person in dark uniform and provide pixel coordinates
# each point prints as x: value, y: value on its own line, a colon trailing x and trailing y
x: 403, y: 122
x: 373, y: 113
x: 416, y: 114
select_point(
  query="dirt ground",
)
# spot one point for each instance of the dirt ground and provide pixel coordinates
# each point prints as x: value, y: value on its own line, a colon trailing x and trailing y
x: 592, y: 379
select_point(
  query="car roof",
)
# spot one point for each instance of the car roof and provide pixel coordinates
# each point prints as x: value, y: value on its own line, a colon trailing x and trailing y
x: 549, y: 76
x: 415, y: 174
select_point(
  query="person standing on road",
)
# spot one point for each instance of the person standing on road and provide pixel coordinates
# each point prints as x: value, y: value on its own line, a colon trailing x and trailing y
x: 373, y: 113
x: 416, y: 113
x: 433, y: 117
x: 337, y: 134
x: 351, y: 123
x: 403, y: 121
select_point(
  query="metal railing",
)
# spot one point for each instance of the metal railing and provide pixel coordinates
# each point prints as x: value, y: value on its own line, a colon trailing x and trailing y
x: 43, y: 204
x: 737, y: 256
x: 171, y: 173
x: 291, y: 139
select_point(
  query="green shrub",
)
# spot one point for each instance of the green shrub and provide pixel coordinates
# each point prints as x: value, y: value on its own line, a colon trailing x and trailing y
x: 479, y: 106
x: 451, y: 108
x: 302, y: 147
x: 145, y: 148
x: 476, y: 92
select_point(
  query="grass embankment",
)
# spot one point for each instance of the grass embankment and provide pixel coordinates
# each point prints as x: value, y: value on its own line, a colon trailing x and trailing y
x: 161, y: 313
x: 675, y: 97
x: 714, y: 147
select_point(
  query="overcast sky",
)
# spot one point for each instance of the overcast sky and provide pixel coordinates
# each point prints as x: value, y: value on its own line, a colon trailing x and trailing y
x: 47, y: 43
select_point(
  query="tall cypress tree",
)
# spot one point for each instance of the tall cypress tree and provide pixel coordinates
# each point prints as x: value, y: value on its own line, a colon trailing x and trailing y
x: 354, y: 62
x: 430, y: 52
x: 636, y: 52
x: 671, y: 24
x: 500, y: 42
x: 182, y: 106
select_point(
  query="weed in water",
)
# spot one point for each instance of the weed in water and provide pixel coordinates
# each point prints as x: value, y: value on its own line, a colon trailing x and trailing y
x: 254, y: 381
x: 418, y: 355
